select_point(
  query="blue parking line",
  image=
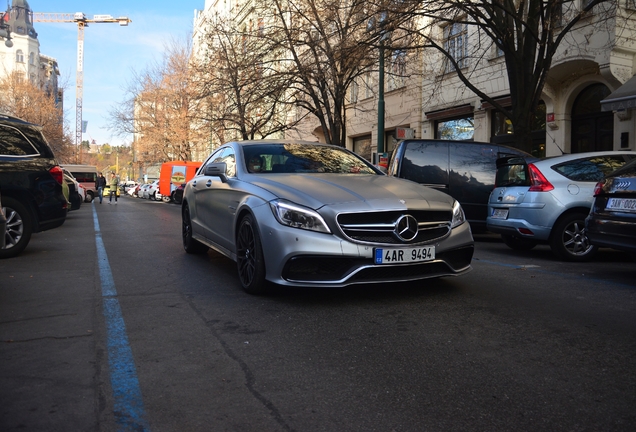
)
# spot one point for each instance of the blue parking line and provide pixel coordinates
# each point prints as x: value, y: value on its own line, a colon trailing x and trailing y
x: 128, y: 404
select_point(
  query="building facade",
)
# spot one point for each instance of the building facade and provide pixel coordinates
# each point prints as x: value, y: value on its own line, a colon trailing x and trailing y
x: 22, y: 54
x: 590, y: 68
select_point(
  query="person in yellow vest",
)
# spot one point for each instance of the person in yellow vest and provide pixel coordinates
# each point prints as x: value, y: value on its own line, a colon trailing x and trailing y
x: 114, y: 184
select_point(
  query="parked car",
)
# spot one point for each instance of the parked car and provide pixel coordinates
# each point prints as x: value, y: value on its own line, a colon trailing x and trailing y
x: 86, y: 175
x: 153, y: 191
x: 463, y: 169
x: 547, y: 201
x: 177, y: 194
x: 74, y: 197
x: 31, y: 183
x: 328, y: 217
x: 612, y: 219
x: 143, y: 191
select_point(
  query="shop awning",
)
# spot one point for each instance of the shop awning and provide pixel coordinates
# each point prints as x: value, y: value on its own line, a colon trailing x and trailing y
x: 623, y: 98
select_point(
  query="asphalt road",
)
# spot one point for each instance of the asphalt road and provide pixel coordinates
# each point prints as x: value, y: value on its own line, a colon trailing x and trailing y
x: 170, y: 342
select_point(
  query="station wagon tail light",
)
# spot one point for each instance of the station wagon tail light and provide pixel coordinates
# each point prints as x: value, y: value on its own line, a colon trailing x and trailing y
x: 538, y: 183
x: 57, y: 174
x: 598, y: 189
x: 298, y: 217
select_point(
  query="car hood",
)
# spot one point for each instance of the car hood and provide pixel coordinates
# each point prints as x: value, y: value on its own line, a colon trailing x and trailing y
x: 352, y: 191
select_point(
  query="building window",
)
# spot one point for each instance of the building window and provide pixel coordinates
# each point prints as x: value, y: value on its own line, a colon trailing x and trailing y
x: 354, y: 92
x: 19, y: 56
x: 32, y: 58
x: 461, y: 128
x: 362, y: 146
x: 456, y: 45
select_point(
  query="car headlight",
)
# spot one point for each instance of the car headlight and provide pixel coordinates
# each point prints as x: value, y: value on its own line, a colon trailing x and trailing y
x: 298, y: 217
x: 458, y: 215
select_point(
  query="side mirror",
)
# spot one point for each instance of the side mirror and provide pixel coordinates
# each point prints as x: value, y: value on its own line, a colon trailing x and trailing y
x: 217, y: 169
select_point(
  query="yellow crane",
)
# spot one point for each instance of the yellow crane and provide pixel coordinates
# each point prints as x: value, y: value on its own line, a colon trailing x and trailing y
x: 82, y: 21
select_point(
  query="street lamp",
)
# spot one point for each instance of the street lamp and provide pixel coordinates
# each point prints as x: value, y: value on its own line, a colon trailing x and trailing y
x: 5, y: 33
x: 379, y: 24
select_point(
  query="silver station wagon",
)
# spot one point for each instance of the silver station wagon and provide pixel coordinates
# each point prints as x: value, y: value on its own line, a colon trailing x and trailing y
x: 315, y: 215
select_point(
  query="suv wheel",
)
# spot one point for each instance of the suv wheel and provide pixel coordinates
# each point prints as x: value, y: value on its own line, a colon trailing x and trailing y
x: 568, y: 239
x: 89, y: 197
x: 19, y: 227
x: 518, y: 243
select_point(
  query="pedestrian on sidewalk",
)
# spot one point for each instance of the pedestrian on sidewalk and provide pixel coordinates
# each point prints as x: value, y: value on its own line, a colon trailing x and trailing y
x: 100, y: 184
x: 114, y: 184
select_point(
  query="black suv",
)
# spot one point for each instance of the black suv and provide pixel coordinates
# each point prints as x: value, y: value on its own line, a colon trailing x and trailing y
x: 464, y: 170
x: 31, y: 184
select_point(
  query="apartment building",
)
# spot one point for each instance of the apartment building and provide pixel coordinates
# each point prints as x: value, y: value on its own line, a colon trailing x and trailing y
x: 20, y: 51
x: 587, y: 102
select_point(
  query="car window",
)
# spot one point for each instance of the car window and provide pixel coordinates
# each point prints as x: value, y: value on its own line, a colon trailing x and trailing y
x: 426, y: 163
x: 514, y: 172
x: 214, y: 157
x: 14, y: 143
x: 302, y: 158
x: 590, y: 169
x: 229, y: 158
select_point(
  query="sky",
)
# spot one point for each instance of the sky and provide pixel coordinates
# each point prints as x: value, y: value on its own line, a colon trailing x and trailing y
x: 112, y: 53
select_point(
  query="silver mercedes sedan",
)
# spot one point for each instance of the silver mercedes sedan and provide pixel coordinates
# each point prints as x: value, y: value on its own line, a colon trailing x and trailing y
x: 315, y: 215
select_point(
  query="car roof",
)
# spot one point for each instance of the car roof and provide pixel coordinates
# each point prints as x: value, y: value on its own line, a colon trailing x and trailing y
x: 573, y: 156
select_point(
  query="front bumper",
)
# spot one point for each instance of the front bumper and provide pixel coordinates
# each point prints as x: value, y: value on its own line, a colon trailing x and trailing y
x: 295, y: 257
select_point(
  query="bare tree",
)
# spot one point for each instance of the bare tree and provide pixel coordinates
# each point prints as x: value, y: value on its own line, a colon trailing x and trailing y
x: 324, y: 46
x: 162, y: 109
x: 527, y: 33
x: 239, y: 79
x: 23, y: 99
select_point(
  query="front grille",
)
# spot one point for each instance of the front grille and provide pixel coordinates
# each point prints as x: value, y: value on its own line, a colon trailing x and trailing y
x: 379, y: 227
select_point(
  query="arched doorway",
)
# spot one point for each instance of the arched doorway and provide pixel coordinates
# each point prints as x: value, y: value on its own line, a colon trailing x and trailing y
x: 592, y: 129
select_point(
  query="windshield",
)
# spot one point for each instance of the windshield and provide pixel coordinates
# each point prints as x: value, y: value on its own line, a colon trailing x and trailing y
x: 303, y: 158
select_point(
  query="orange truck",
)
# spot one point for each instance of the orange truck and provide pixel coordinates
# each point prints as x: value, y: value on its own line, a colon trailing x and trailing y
x: 174, y: 174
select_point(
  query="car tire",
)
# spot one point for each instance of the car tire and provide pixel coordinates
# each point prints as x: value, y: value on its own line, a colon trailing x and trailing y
x: 518, y: 243
x: 89, y: 197
x: 165, y: 199
x: 250, y: 260
x: 19, y: 227
x: 568, y: 239
x: 190, y: 245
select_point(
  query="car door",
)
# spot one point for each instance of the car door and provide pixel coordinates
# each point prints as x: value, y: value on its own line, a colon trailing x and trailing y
x: 213, y: 197
x: 472, y: 177
x: 202, y: 196
x: 426, y: 162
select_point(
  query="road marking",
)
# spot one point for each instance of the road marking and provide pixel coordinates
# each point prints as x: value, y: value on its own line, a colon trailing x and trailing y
x: 127, y: 400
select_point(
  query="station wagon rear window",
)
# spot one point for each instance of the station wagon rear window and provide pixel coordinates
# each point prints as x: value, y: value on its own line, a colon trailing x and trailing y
x: 590, y: 169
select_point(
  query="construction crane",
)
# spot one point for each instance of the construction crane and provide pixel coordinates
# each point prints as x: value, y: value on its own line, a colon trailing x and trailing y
x: 82, y: 21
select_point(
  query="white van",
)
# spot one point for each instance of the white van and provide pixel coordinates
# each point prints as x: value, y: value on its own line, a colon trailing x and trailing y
x: 86, y: 175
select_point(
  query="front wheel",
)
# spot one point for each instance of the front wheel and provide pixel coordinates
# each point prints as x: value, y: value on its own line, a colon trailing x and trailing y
x: 89, y: 197
x: 250, y: 261
x: 19, y: 227
x: 569, y: 241
x: 190, y: 245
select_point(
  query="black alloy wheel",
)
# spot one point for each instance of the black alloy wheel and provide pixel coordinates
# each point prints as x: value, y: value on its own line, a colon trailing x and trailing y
x: 190, y: 245
x: 249, y: 257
